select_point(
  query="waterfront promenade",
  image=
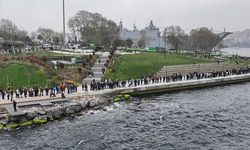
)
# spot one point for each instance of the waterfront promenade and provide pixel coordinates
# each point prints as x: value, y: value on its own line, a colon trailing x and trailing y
x: 141, y: 89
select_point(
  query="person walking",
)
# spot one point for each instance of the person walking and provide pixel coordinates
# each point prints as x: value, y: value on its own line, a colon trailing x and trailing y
x: 11, y: 94
x: 14, y: 105
x: 3, y: 94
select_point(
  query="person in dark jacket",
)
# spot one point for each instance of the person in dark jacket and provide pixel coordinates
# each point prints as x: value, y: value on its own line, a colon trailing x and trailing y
x: 14, y: 105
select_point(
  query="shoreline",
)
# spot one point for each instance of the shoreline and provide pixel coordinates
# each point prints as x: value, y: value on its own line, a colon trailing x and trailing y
x: 77, y: 103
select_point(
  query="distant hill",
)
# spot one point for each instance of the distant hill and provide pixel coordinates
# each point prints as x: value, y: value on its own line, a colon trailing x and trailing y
x: 238, y: 39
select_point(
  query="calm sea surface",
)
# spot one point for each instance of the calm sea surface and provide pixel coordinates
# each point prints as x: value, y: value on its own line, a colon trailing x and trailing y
x: 211, y: 118
x: 237, y: 51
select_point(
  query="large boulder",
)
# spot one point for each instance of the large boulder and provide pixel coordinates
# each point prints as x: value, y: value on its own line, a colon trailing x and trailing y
x: 4, y: 121
x: 31, y: 115
x: 41, y: 112
x: 101, y: 101
x: 91, y: 104
x: 70, y: 110
x: 22, y: 119
x: 57, y: 113
x: 50, y: 116
x: 83, y: 105
x: 78, y: 108
x: 14, y: 119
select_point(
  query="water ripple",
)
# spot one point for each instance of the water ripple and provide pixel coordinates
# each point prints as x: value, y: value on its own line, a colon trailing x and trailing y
x: 212, y: 118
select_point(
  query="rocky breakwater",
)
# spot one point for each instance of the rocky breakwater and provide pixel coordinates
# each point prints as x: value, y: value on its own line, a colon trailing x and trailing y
x: 38, y: 115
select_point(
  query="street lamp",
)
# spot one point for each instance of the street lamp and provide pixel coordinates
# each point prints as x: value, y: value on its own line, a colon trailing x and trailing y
x: 64, y: 34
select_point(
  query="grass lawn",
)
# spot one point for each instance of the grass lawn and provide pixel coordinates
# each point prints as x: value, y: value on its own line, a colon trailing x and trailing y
x: 137, y: 65
x: 25, y: 75
x: 45, y: 53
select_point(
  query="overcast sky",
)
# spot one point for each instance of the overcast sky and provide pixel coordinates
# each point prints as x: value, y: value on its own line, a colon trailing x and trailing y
x: 189, y: 14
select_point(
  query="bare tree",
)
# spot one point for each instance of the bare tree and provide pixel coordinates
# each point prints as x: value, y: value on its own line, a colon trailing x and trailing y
x: 9, y: 30
x: 204, y: 40
x: 46, y: 34
x: 143, y: 40
x: 93, y: 28
x: 173, y: 36
x: 129, y: 43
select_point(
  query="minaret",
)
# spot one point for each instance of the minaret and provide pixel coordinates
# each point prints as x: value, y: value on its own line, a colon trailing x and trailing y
x: 151, y: 25
x: 120, y: 25
x: 135, y: 28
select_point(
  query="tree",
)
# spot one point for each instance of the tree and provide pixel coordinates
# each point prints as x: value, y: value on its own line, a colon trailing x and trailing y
x: 118, y: 43
x: 185, y: 42
x: 46, y: 35
x: 73, y: 28
x: 56, y: 39
x: 9, y: 30
x: 129, y: 42
x: 143, y: 40
x: 93, y: 27
x: 40, y: 37
x: 173, y: 35
x: 204, y: 40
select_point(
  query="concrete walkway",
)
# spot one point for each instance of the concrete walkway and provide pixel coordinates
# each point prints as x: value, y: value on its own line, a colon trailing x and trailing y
x: 151, y: 88
x: 108, y: 91
x: 97, y: 69
x: 41, y: 102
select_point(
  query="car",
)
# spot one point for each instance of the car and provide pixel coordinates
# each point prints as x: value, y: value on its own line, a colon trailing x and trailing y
x: 28, y: 48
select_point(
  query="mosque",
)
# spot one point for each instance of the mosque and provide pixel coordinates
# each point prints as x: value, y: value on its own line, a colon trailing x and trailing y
x: 151, y: 34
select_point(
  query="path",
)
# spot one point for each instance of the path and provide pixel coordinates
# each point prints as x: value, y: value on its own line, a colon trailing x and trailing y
x: 97, y: 69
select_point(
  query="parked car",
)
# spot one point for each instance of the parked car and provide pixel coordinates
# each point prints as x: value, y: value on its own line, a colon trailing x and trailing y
x: 28, y: 48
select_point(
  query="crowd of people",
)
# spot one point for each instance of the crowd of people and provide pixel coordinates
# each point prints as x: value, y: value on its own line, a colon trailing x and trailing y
x: 23, y: 92
x: 63, y: 88
x: 147, y: 80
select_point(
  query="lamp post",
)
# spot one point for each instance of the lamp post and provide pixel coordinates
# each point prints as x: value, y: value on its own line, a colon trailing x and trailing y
x: 0, y: 9
x: 64, y: 34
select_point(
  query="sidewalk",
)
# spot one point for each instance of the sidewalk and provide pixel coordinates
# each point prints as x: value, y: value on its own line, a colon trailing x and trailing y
x: 116, y: 90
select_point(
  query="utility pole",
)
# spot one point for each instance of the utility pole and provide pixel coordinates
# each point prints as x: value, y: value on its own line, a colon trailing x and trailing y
x: 64, y: 34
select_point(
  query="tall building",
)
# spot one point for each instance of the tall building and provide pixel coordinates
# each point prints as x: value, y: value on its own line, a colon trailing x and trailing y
x: 151, y: 34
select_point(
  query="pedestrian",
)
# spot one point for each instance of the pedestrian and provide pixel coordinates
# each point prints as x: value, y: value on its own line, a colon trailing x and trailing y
x: 25, y: 92
x: 11, y: 94
x: 86, y: 87
x: 3, y: 95
x: 62, y: 95
x: 14, y: 105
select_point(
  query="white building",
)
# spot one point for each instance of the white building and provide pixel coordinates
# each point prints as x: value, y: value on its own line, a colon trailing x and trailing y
x: 151, y: 33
